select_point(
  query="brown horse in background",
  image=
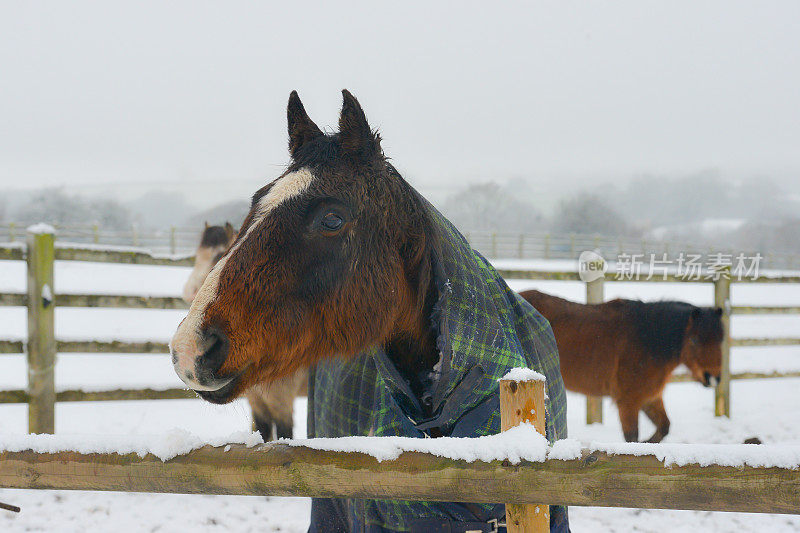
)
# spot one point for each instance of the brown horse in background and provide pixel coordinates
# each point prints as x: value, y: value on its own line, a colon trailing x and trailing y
x: 272, y: 405
x: 627, y: 349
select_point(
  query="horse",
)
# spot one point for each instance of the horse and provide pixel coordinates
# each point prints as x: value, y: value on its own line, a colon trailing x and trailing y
x: 214, y: 242
x: 272, y: 406
x: 343, y: 267
x: 627, y: 349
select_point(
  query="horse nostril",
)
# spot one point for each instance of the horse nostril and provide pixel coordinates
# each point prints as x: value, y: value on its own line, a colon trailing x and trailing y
x: 217, y: 344
x: 706, y: 379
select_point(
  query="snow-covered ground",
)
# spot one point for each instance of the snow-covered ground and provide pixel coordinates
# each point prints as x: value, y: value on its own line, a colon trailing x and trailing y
x: 763, y: 408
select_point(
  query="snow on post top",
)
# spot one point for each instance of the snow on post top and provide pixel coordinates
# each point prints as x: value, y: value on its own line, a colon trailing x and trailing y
x: 523, y: 374
x: 40, y: 228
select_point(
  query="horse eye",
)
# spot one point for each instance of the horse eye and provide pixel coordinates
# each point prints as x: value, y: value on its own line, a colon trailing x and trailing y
x: 332, y: 222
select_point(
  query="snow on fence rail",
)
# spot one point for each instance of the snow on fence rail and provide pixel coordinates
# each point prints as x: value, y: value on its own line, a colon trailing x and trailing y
x: 40, y: 251
x: 592, y: 478
x: 516, y: 467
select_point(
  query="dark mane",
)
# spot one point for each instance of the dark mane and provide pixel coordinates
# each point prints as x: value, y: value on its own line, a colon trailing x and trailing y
x: 214, y: 236
x: 661, y: 326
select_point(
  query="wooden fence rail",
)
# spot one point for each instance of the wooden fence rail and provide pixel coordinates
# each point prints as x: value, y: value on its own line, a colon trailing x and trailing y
x: 115, y: 395
x: 594, y: 479
x: 130, y: 256
x: 143, y: 257
x: 591, y: 478
x: 492, y: 244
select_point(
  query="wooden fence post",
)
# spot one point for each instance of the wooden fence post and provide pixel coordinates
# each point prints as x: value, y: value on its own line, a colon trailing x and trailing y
x: 172, y: 240
x: 41, y: 331
x: 523, y: 401
x: 722, y: 299
x: 594, y: 404
x: 12, y: 235
x: 95, y: 233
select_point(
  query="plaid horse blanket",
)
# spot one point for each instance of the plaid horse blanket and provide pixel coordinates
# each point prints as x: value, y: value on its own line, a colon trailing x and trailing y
x: 484, y: 330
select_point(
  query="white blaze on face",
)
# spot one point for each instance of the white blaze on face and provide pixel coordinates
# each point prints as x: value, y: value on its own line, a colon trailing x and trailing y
x: 187, y: 344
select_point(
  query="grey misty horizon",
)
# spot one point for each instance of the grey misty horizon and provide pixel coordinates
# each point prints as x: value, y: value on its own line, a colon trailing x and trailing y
x: 184, y: 94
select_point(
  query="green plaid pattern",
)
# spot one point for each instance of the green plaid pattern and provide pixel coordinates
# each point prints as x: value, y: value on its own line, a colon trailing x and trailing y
x: 485, y: 329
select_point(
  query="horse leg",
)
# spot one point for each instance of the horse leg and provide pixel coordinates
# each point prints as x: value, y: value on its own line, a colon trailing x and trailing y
x: 656, y: 413
x: 629, y: 417
x: 280, y: 400
x: 274, y: 405
x: 264, y: 426
x: 284, y: 429
x: 262, y: 415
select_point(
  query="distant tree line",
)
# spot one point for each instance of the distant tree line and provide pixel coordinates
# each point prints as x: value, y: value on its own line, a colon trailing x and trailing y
x: 492, y: 207
x: 153, y: 210
x: 54, y: 206
x: 754, y: 215
x: 760, y: 215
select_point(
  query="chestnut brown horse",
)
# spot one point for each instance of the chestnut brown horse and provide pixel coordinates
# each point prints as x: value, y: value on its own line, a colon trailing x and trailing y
x: 627, y: 349
x: 333, y: 258
x: 341, y: 266
x: 272, y: 405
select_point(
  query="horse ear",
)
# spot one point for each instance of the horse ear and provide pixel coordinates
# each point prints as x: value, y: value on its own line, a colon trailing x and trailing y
x: 229, y: 231
x: 718, y: 311
x: 301, y: 128
x: 356, y: 136
x: 205, y: 224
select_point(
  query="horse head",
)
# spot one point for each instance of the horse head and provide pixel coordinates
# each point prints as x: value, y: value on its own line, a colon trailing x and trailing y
x: 702, y: 345
x: 329, y: 262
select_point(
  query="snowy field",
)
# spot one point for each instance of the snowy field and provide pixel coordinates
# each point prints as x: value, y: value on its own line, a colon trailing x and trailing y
x: 765, y: 409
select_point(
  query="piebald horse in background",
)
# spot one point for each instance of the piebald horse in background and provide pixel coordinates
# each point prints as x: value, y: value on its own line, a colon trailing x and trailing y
x: 214, y: 242
x: 272, y: 405
x: 628, y: 349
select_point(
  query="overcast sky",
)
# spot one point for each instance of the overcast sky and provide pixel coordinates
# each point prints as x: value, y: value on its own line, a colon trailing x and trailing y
x: 176, y: 93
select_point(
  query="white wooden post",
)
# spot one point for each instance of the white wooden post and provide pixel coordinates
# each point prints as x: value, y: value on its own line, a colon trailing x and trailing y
x: 722, y: 299
x: 594, y: 404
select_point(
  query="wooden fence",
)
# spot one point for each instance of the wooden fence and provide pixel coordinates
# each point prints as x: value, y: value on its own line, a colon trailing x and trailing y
x: 171, y: 240
x: 41, y: 347
x: 507, y: 245
x: 595, y: 479
x: 536, y: 245
x: 722, y: 299
x: 591, y: 477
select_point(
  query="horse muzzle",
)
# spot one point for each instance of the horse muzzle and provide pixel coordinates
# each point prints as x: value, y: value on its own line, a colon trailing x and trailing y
x: 197, y: 358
